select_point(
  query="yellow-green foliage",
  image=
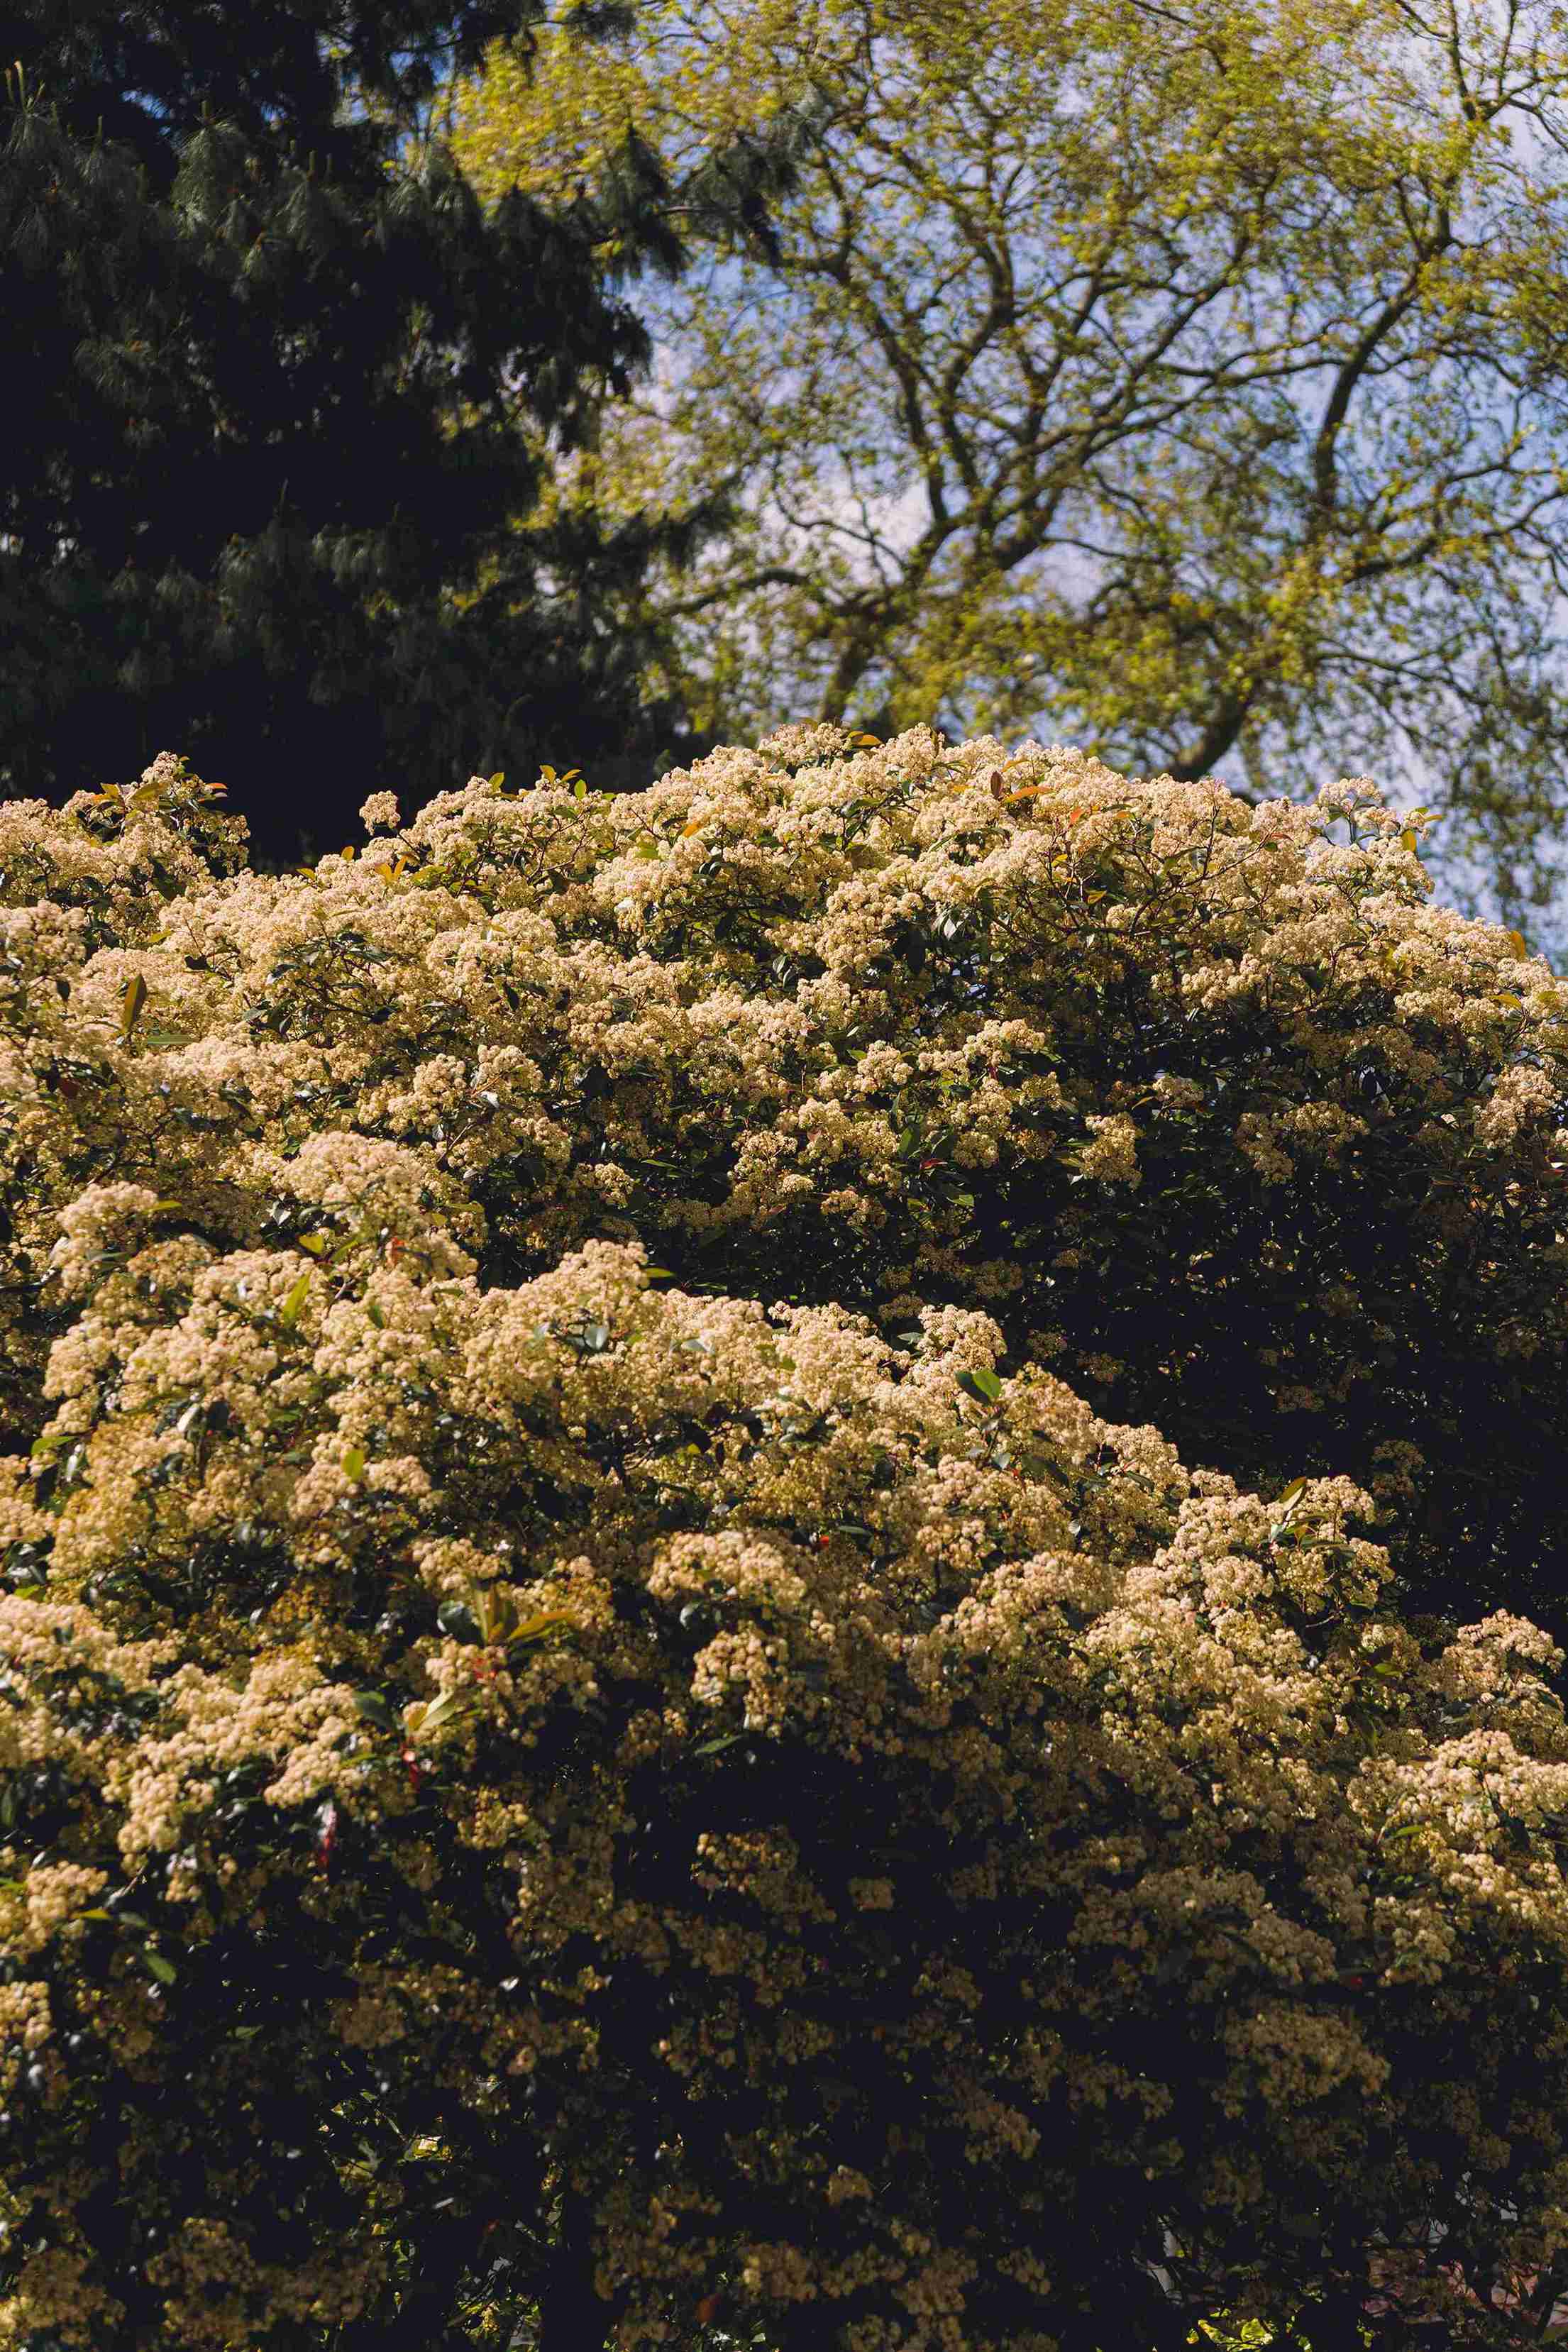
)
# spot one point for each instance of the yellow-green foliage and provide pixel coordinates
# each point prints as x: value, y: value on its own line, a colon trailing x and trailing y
x: 601, y: 1716
x: 1185, y: 378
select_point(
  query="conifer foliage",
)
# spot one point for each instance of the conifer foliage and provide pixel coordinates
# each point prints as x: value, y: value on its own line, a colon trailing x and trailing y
x: 266, y: 363
x: 635, y: 1700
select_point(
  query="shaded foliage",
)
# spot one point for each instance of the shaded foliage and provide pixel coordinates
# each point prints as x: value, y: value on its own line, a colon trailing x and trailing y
x: 266, y: 366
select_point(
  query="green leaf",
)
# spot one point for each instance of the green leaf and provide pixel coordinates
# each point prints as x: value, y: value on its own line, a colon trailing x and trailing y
x: 161, y: 1969
x: 433, y: 1715
x: 712, y: 1747
x: 533, y: 1629
x: 135, y: 997
x: 1293, y: 1494
x: 353, y: 1465
x: 495, y: 1612
x: 985, y: 1386
x: 375, y: 1315
x: 458, y: 1622
x: 293, y: 1305
x: 374, y: 1709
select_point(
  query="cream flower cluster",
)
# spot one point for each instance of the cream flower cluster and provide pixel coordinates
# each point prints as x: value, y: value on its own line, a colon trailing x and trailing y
x: 578, y: 1614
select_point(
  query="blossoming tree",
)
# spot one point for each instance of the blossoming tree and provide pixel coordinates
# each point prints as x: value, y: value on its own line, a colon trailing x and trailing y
x: 769, y: 1561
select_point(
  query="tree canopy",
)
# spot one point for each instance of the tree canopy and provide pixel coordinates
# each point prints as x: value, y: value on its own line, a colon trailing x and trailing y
x: 267, y: 360
x: 833, y: 1786
x: 1185, y: 380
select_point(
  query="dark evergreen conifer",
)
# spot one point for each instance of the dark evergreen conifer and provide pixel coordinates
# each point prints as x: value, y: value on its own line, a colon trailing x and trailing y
x: 267, y: 355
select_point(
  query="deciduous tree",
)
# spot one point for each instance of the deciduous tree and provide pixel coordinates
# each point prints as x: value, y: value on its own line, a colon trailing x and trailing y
x: 1184, y: 381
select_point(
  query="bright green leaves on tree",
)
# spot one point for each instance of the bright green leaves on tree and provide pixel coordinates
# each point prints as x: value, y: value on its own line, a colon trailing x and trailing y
x: 1187, y: 383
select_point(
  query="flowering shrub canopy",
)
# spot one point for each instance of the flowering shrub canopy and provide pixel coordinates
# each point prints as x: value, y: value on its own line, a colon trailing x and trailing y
x: 713, y: 1519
